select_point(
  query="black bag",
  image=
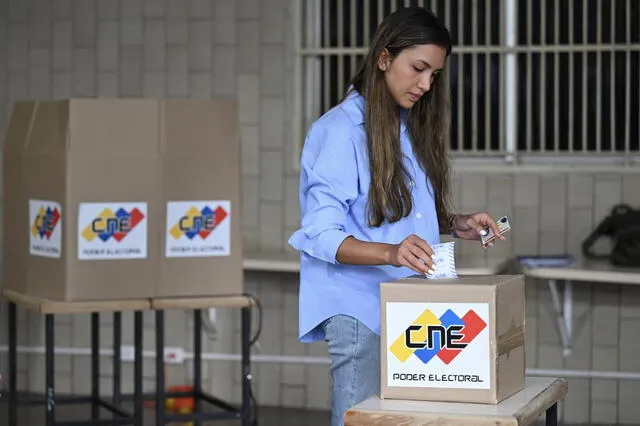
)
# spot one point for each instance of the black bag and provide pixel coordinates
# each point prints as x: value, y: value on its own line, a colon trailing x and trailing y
x: 622, y: 226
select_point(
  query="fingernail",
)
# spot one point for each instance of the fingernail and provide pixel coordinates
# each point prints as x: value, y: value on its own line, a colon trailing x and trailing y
x: 434, y: 266
x: 483, y: 232
x: 430, y: 271
x: 433, y: 257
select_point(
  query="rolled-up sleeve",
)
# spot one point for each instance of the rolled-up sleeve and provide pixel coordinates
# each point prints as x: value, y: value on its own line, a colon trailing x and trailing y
x: 328, y: 186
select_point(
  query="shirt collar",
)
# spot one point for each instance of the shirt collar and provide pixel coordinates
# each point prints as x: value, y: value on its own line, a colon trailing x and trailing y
x: 353, y: 106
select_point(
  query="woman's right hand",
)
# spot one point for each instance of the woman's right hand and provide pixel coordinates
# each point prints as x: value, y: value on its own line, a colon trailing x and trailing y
x: 413, y: 252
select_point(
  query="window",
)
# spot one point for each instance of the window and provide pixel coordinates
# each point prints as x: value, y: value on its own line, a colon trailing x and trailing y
x: 527, y: 78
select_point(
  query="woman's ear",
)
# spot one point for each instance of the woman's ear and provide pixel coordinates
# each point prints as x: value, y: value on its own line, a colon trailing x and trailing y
x: 384, y: 60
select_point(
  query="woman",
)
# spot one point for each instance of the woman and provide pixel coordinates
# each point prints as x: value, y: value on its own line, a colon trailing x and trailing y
x: 374, y: 197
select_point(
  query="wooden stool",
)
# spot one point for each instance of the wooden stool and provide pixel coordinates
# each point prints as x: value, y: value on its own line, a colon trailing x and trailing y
x: 540, y: 395
x: 197, y: 304
x: 50, y: 308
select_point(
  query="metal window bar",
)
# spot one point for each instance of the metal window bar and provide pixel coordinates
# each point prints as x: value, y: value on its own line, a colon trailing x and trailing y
x: 528, y: 78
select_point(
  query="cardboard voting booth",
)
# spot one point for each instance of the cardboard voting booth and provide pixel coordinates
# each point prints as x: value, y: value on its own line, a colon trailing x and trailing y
x: 122, y: 198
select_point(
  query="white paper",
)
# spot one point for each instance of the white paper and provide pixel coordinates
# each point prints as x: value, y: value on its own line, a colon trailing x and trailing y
x: 445, y: 260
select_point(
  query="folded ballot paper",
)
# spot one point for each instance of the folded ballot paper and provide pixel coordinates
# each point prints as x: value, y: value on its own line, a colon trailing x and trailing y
x: 445, y: 260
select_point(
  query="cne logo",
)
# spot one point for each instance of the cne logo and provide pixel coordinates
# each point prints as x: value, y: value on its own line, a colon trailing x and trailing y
x: 198, y: 222
x: 45, y: 222
x: 112, y: 226
x: 445, y: 337
x: 45, y: 228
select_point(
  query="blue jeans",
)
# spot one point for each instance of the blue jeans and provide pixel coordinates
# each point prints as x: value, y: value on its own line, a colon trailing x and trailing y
x: 355, y: 363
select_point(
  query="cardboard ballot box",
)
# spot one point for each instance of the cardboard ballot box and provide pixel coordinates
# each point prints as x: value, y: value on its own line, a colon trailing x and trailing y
x: 119, y: 198
x: 458, y: 340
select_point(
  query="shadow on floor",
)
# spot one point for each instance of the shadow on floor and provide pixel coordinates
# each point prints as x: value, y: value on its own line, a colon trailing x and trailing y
x: 267, y: 416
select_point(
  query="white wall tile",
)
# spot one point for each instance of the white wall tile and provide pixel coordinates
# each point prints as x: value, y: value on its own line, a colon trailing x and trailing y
x: 200, y: 85
x: 271, y: 176
x: 84, y: 23
x: 248, y: 38
x: 628, y: 407
x: 248, y: 9
x: 62, y: 46
x: 293, y: 396
x: 84, y: 72
x: 154, y: 9
x: 131, y: 71
x: 271, y: 225
x: 177, y: 71
x: 272, y: 22
x: 40, y: 25
x: 271, y: 291
x: 132, y: 9
x: 526, y: 190
x: 576, y: 401
x: 154, y: 45
x: 474, y: 193
x: 250, y: 138
x: 176, y: 10
x: 40, y: 74
x: 630, y: 302
x: 272, y: 70
x: 248, y: 99
x: 630, y: 192
x: 18, y: 10
x: 607, y: 193
x: 272, y: 122
x: 107, y: 9
x: 250, y: 201
x: 224, y: 30
x: 200, y: 9
x: 131, y: 31
x: 200, y: 52
x: 154, y: 84
x: 108, y: 85
x: 108, y: 45
x: 224, y: 71
x: 61, y: 85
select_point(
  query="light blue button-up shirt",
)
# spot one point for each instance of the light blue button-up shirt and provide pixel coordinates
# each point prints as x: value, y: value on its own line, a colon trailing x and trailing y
x: 334, y: 186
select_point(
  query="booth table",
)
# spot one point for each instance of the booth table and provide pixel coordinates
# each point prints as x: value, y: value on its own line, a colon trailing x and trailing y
x: 50, y: 308
x: 540, y: 396
x: 584, y: 270
x: 197, y: 304
x: 119, y: 415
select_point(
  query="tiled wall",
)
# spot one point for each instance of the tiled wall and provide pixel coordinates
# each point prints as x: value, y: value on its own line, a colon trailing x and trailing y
x: 178, y: 48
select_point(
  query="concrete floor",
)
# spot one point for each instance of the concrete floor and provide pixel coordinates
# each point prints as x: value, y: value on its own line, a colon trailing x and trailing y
x: 267, y: 416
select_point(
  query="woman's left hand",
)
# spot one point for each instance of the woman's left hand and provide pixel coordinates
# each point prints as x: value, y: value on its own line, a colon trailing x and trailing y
x: 472, y: 226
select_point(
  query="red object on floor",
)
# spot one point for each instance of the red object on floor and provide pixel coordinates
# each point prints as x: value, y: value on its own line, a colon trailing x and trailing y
x: 182, y: 405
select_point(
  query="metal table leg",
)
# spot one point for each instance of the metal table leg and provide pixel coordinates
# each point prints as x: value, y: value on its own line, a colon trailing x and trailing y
x: 137, y: 369
x: 551, y: 418
x: 246, y: 367
x: 95, y: 366
x: 13, y: 365
x: 117, y: 361
x: 49, y: 366
x: 197, y: 363
x: 160, y: 379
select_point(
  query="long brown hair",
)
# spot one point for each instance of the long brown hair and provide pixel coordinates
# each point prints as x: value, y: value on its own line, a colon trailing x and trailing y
x: 427, y: 122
